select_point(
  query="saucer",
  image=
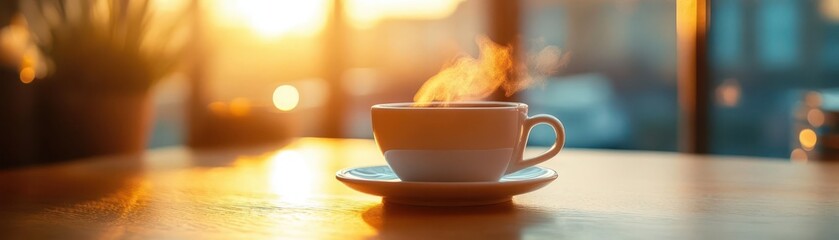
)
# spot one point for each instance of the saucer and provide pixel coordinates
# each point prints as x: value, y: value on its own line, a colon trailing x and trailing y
x: 381, y: 181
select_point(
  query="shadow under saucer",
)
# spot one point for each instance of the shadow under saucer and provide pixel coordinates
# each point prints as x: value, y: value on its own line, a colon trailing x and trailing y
x: 498, y: 221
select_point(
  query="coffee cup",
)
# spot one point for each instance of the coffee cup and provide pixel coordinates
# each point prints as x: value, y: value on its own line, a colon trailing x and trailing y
x: 460, y: 141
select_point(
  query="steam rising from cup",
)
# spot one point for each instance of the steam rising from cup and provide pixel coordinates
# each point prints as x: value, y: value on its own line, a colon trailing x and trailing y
x: 468, y: 78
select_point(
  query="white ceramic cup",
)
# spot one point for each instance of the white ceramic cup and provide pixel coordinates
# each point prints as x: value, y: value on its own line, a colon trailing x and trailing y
x: 458, y: 142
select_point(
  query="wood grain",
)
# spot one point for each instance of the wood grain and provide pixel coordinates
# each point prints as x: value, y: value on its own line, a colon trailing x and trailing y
x: 289, y: 191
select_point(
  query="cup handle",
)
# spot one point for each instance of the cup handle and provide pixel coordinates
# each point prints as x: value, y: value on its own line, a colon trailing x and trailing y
x: 519, y: 162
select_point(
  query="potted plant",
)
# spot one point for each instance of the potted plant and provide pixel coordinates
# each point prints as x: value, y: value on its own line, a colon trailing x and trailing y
x: 103, y: 58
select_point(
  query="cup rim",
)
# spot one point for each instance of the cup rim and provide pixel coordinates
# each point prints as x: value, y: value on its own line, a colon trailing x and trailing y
x: 465, y: 105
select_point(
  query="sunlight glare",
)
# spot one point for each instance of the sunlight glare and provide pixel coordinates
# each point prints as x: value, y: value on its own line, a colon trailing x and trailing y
x: 366, y: 13
x: 273, y: 18
x: 292, y: 177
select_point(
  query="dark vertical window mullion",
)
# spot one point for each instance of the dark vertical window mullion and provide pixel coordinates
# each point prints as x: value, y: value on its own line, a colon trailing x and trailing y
x: 694, y: 79
x: 702, y: 122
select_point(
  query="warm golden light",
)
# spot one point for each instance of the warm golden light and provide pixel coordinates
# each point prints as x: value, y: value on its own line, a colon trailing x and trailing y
x: 270, y: 18
x: 273, y: 18
x: 807, y: 138
x: 690, y: 23
x: 815, y: 117
x: 219, y: 108
x: 240, y: 107
x: 286, y: 97
x: 367, y: 13
x: 169, y: 5
x: 292, y: 177
x: 14, y: 42
x: 27, y: 74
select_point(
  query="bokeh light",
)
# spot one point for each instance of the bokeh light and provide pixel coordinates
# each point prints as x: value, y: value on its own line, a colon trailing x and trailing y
x: 813, y: 99
x: 798, y: 155
x: 815, y: 117
x: 808, y: 138
x: 728, y: 93
x: 27, y: 74
x: 286, y: 97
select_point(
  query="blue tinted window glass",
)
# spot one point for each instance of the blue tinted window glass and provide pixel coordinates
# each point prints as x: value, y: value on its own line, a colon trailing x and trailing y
x: 726, y: 35
x: 777, y: 31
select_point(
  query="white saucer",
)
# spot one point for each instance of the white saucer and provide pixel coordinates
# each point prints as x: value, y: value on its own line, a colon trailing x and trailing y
x: 381, y: 181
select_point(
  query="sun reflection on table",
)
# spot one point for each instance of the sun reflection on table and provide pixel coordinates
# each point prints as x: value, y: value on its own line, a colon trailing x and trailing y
x: 292, y: 177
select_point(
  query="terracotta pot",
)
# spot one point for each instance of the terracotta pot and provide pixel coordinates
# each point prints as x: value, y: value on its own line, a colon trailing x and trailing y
x: 72, y: 123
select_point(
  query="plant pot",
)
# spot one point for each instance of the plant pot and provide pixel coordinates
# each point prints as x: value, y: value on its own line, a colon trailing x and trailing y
x: 78, y: 123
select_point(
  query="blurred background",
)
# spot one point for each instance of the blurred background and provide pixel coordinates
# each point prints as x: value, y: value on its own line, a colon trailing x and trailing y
x: 98, y: 77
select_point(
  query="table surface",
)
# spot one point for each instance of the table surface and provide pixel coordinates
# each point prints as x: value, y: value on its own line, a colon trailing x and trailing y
x: 289, y: 191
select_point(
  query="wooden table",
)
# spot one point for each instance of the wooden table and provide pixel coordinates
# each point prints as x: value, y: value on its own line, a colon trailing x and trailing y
x: 289, y: 191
